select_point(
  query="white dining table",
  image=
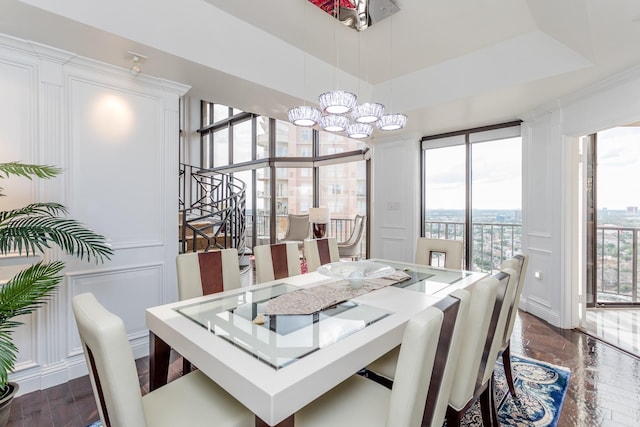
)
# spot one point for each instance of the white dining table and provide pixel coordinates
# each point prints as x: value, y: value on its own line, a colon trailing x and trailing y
x: 274, y: 371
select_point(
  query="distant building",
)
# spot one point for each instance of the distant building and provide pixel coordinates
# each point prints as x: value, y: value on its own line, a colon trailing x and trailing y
x: 632, y: 210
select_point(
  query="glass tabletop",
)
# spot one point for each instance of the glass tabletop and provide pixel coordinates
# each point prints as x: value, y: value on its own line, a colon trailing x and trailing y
x: 427, y: 279
x: 278, y: 340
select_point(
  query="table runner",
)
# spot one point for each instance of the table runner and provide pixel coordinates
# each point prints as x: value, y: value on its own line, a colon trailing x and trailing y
x: 312, y: 300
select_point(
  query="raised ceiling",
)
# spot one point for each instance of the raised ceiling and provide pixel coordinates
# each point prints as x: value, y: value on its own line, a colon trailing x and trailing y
x: 447, y: 64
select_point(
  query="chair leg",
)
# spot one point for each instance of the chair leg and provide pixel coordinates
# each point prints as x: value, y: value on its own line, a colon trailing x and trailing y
x: 486, y: 407
x: 508, y: 371
x: 454, y: 418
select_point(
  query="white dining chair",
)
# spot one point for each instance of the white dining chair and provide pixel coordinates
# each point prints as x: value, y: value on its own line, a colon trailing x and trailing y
x: 518, y: 263
x: 473, y: 380
x: 412, y: 400
x: 320, y: 251
x: 206, y: 273
x: 429, y: 252
x: 191, y: 400
x: 276, y: 261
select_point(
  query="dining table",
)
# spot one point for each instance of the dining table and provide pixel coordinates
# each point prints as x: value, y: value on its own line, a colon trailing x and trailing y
x: 277, y: 346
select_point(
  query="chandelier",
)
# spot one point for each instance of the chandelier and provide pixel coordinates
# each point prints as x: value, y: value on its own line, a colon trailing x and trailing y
x: 339, y: 110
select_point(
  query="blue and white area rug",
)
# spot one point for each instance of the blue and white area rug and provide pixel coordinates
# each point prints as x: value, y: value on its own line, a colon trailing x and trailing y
x: 540, y: 389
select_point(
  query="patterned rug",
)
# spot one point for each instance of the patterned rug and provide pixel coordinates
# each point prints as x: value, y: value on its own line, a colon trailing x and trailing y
x: 540, y: 387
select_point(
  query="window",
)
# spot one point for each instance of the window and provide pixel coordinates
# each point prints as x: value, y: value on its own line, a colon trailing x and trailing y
x: 284, y: 166
x: 472, y: 183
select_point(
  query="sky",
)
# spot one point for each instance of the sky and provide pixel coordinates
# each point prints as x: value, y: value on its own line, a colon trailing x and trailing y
x: 618, y: 168
x: 497, y: 176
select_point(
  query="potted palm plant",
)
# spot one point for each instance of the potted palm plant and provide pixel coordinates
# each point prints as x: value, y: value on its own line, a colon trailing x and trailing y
x: 28, y: 231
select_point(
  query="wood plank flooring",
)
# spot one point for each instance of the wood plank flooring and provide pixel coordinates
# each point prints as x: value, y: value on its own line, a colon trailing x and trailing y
x: 604, y: 388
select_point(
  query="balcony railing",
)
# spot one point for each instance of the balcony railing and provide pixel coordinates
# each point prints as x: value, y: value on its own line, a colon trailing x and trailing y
x: 616, y: 252
x: 340, y: 228
x: 617, y: 264
x: 492, y: 242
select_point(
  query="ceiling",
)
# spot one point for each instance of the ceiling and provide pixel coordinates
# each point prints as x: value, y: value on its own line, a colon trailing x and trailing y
x: 449, y: 65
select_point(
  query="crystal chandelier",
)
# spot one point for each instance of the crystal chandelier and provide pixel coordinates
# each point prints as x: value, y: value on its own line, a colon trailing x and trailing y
x: 339, y: 111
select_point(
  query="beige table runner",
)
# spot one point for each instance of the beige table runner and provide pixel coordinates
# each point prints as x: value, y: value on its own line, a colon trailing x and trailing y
x: 311, y: 300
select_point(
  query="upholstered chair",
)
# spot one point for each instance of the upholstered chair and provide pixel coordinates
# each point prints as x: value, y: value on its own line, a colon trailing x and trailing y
x: 191, y: 400
x: 358, y: 401
x: 204, y: 273
x: 427, y: 247
x: 518, y: 263
x: 298, y: 229
x: 474, y: 374
x: 383, y: 370
x: 350, y: 248
x: 276, y: 261
x: 320, y: 251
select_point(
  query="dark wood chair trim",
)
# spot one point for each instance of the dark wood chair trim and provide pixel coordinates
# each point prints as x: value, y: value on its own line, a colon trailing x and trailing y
x: 211, y: 272
x: 323, y: 251
x: 279, y: 261
x: 449, y: 306
x: 96, y: 378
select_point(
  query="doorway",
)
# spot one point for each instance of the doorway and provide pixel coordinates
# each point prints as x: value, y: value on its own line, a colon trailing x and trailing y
x: 612, y: 236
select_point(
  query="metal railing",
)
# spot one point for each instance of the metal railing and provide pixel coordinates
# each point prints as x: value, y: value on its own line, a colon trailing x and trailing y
x: 212, y: 211
x: 617, y: 264
x: 340, y: 228
x: 492, y: 242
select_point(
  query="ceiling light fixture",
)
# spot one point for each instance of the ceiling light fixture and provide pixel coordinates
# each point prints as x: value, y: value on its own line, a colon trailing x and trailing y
x: 391, y: 121
x: 304, y: 115
x: 339, y: 107
x: 136, y: 61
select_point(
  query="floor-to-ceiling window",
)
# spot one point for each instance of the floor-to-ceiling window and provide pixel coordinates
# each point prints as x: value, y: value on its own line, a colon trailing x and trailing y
x: 472, y: 186
x: 287, y: 169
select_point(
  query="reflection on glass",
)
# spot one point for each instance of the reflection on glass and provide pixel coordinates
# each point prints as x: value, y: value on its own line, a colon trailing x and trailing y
x: 282, y: 339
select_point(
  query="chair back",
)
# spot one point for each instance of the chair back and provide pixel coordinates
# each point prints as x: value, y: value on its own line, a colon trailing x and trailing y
x: 456, y: 309
x: 112, y: 369
x: 318, y: 252
x: 276, y: 261
x: 204, y: 273
x: 351, y: 247
x: 506, y: 289
x: 298, y: 227
x: 427, y: 249
x: 482, y: 301
x: 519, y: 264
x: 415, y: 366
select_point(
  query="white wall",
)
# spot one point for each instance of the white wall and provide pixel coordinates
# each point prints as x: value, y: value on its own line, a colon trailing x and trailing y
x: 116, y: 138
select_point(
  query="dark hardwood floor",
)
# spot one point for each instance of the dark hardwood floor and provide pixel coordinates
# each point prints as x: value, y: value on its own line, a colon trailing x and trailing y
x: 604, y: 387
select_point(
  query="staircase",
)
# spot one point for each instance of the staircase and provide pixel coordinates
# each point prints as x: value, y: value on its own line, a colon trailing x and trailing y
x: 212, y: 212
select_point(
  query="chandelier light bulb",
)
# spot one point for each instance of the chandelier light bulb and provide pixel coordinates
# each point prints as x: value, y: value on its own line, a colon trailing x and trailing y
x: 368, y: 112
x: 393, y: 121
x: 304, y: 115
x: 359, y: 130
x: 334, y: 123
x: 337, y: 101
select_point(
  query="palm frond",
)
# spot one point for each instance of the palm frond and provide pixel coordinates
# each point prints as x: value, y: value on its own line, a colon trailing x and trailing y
x: 32, y: 234
x: 22, y: 294
x: 28, y: 170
